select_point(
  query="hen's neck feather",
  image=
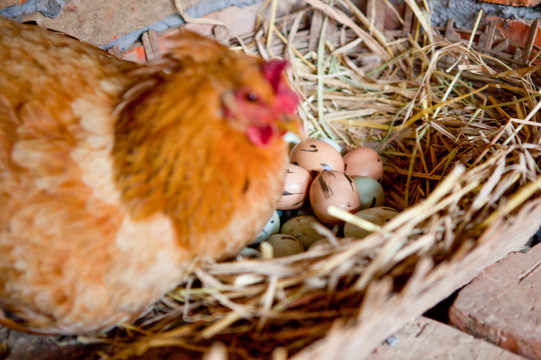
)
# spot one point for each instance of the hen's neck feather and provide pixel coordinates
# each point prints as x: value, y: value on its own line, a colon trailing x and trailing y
x: 175, y: 153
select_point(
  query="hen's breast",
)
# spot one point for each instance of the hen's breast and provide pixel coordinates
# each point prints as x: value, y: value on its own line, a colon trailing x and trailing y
x: 246, y: 199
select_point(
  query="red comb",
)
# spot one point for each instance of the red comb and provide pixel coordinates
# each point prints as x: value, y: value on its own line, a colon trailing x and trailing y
x: 272, y: 71
x: 286, y: 99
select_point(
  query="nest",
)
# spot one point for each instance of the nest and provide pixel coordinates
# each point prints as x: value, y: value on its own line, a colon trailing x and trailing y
x: 458, y: 130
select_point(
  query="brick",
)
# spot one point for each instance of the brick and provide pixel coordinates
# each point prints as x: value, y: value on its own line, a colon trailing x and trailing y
x: 425, y: 338
x: 500, y: 305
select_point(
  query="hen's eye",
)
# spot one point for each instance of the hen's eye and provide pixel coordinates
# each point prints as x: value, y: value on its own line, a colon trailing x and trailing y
x: 251, y: 96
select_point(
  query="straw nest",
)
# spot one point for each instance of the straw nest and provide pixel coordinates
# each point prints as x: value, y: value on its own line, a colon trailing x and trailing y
x: 459, y: 134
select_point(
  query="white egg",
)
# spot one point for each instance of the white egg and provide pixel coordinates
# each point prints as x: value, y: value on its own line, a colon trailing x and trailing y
x: 291, y: 138
x: 272, y: 227
x: 334, y: 144
x: 249, y: 253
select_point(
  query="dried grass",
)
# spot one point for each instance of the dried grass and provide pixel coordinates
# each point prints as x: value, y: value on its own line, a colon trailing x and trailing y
x: 459, y: 132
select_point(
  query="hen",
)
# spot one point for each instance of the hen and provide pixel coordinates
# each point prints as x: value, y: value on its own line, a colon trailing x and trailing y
x: 115, y: 177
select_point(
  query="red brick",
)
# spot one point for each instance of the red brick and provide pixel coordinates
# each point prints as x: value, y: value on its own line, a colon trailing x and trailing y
x: 515, y: 30
x: 502, y: 304
x: 424, y: 338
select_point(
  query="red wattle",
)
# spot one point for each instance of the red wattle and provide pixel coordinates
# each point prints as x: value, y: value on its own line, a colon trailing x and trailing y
x: 260, y: 135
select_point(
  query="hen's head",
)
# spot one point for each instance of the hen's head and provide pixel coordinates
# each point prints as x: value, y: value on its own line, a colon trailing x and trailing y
x: 201, y: 127
x: 249, y: 94
x: 263, y: 109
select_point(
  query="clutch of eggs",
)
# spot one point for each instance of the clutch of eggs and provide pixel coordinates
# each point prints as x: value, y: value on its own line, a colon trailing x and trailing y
x: 350, y: 183
x: 319, y: 175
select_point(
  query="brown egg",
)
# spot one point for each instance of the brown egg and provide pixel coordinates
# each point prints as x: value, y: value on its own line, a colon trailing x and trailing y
x: 363, y: 162
x: 295, y: 188
x: 316, y: 156
x: 333, y: 188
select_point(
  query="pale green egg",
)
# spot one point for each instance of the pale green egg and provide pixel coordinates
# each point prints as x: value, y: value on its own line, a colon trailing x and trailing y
x: 284, y: 245
x: 333, y: 143
x: 376, y: 215
x: 370, y: 191
x: 324, y: 242
x: 301, y: 227
x: 319, y: 243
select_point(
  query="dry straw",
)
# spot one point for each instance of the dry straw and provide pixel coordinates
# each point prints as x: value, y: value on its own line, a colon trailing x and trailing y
x: 459, y: 133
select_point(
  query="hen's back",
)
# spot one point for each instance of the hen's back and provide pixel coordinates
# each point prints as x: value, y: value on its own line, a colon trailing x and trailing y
x: 70, y: 260
x: 45, y: 77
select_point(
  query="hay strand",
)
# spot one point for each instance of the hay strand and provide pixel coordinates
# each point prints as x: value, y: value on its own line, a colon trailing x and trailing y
x: 458, y: 130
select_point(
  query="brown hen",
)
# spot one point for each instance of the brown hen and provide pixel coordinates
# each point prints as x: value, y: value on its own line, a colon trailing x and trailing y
x: 115, y: 177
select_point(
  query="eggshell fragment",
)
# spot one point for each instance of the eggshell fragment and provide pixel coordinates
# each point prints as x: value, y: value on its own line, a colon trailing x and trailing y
x: 316, y: 156
x: 363, y: 162
x: 370, y: 192
x: 301, y: 227
x: 296, y: 185
x: 284, y: 245
x: 333, y: 188
x: 272, y: 227
x: 377, y: 215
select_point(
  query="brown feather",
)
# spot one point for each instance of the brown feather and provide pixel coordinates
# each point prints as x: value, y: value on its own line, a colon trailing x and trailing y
x: 115, y: 177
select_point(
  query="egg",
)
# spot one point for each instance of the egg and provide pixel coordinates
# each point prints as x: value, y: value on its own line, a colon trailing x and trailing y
x: 333, y: 143
x: 316, y: 156
x: 377, y: 215
x: 333, y: 188
x: 272, y: 227
x: 250, y: 253
x: 363, y: 162
x: 284, y: 245
x: 296, y: 185
x: 320, y: 243
x: 324, y: 242
x: 370, y: 192
x: 301, y: 227
x: 291, y: 138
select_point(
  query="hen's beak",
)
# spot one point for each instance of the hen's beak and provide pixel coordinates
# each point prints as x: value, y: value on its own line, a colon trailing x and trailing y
x: 291, y: 123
